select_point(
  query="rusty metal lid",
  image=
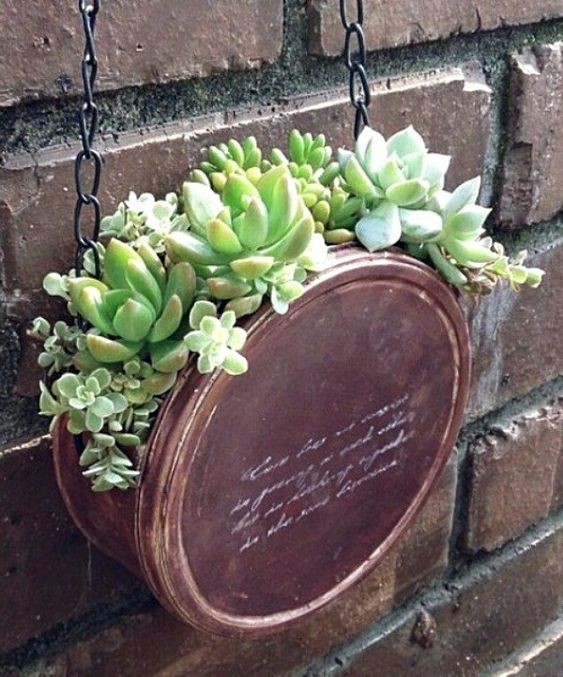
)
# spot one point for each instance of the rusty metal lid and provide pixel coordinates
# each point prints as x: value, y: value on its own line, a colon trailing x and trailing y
x: 266, y: 496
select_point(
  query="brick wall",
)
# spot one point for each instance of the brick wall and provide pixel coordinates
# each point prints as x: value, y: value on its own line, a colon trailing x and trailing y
x: 475, y: 584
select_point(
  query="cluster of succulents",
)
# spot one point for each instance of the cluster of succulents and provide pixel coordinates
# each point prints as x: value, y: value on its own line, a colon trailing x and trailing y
x: 401, y: 185
x: 177, y: 273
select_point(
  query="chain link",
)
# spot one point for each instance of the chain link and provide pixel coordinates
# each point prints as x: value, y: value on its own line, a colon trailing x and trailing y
x: 354, y: 55
x: 88, y: 125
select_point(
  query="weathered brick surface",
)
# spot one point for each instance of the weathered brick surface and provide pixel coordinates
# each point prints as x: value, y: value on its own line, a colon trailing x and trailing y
x: 405, y: 22
x: 153, y: 43
x: 533, y: 168
x: 516, y: 338
x: 36, y: 194
x: 154, y: 643
x: 541, y: 657
x: 47, y: 571
x: 512, y: 477
x: 480, y: 618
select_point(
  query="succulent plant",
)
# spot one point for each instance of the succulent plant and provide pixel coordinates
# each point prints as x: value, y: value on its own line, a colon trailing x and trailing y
x: 394, y: 178
x: 236, y: 238
x: 137, y: 306
x: 178, y: 272
x: 216, y: 340
x: 107, y: 465
x: 144, y: 220
x: 309, y: 159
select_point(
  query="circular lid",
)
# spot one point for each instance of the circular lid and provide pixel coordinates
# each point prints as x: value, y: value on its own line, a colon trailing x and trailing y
x: 267, y: 495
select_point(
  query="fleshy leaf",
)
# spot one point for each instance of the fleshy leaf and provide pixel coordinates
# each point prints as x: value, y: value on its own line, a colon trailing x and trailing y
x: 381, y: 228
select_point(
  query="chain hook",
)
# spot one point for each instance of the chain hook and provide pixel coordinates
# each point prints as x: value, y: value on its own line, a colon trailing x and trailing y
x: 88, y: 125
x: 354, y: 55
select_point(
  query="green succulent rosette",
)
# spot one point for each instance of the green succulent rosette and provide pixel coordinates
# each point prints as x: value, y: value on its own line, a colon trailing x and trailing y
x: 237, y: 238
x: 401, y: 185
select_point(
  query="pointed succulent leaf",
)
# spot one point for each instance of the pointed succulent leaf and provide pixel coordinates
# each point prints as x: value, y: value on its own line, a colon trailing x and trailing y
x: 117, y: 258
x: 108, y: 351
x: 77, y: 284
x: 132, y: 321
x: 296, y: 147
x: 419, y: 225
x: 405, y: 142
x: 408, y: 192
x: 358, y: 180
x: 246, y: 305
x: 185, y: 246
x: 182, y: 283
x: 414, y: 165
x: 139, y: 279
x: 283, y: 208
x: 469, y: 254
x: 226, y: 288
x: 294, y: 243
x: 238, y: 192
x: 436, y: 167
x: 467, y: 223
x: 268, y: 182
x: 463, y: 195
x: 200, y: 204
x: 159, y: 383
x: 315, y: 257
x: 168, y: 356
x: 90, y: 305
x: 153, y: 263
x: 390, y: 172
x: 200, y: 310
x: 252, y: 227
x: 448, y: 270
x: 381, y: 228
x: 252, y: 266
x: 169, y: 320
x: 222, y: 238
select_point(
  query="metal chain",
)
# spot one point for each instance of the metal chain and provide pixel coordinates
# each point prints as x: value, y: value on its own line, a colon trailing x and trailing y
x: 354, y: 55
x: 87, y: 199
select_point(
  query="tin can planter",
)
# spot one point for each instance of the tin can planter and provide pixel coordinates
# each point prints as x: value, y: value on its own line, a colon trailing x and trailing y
x: 263, y: 498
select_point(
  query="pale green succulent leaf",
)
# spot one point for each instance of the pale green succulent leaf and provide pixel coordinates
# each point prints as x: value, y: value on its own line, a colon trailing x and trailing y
x: 464, y: 195
x: 419, y: 225
x: 405, y: 142
x: 234, y: 363
x: 201, y: 204
x: 200, y: 310
x: 237, y: 338
x: 381, y: 228
x: 408, y: 192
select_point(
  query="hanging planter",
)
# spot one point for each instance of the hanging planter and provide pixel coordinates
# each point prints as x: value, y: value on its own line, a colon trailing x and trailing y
x: 268, y: 370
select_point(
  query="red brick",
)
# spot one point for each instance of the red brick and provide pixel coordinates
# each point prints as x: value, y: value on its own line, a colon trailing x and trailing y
x: 480, y: 617
x: 533, y: 165
x: 516, y: 338
x: 154, y: 643
x: 153, y: 42
x: 512, y: 477
x: 36, y: 193
x: 48, y: 573
x: 405, y: 22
